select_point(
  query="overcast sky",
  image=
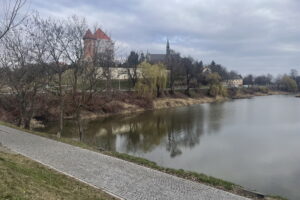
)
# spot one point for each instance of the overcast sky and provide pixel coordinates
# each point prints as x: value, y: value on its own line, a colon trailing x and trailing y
x: 249, y: 36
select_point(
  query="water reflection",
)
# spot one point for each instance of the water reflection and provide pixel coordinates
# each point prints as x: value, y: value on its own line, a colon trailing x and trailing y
x: 143, y: 132
x: 252, y: 142
x: 215, y: 116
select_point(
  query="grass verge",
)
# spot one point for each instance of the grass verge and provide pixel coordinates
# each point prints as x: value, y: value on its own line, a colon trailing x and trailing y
x: 198, y: 177
x: 22, y: 178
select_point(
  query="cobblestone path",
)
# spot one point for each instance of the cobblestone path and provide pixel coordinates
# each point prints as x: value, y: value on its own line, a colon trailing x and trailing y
x: 120, y: 178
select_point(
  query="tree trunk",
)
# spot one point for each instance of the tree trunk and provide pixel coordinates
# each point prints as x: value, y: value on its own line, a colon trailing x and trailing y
x: 79, y: 125
x: 61, y: 107
x: 21, y: 122
x: 27, y: 123
x: 158, y: 91
x: 75, y: 82
x: 172, y: 81
x: 187, y: 91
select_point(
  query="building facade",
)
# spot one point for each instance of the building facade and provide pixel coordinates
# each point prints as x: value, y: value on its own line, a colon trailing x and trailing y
x: 160, y: 58
x: 234, y: 82
x: 97, y: 44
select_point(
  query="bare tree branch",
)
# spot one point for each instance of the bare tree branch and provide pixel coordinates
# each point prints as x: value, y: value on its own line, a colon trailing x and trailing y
x: 11, y: 13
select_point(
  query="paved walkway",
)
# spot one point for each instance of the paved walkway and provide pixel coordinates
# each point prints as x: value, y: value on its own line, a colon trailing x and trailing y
x: 121, y: 178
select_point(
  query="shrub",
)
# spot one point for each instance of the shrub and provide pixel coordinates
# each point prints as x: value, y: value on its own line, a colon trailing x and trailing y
x: 289, y: 84
x: 112, y: 107
x: 217, y: 90
x: 264, y: 90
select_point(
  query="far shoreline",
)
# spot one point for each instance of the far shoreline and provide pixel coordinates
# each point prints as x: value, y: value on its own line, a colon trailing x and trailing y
x: 171, y: 102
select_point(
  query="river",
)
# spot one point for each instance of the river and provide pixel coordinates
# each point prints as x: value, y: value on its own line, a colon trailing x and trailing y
x: 251, y: 142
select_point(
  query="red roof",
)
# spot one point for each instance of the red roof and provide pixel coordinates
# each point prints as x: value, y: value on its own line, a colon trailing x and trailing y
x: 99, y: 34
x: 89, y: 35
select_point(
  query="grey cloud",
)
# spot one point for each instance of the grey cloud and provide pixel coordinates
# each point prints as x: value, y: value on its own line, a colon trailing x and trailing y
x: 250, y: 36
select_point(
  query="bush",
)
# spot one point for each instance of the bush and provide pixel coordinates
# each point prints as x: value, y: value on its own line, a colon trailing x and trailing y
x: 232, y: 92
x: 217, y: 90
x: 289, y: 84
x: 112, y: 107
x: 214, y: 90
x: 264, y: 90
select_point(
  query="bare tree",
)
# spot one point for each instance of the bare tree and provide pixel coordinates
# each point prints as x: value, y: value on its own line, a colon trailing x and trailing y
x: 22, y: 61
x: 11, y: 16
x: 74, y: 46
x: 84, y: 72
x: 55, y: 36
x: 2, y: 72
x: 188, y: 68
x: 105, y: 60
x: 293, y: 74
x: 173, y: 63
x: 87, y: 80
x: 131, y: 64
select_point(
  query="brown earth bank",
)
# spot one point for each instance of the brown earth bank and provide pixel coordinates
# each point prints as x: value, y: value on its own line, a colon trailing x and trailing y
x: 106, y: 104
x: 179, y: 99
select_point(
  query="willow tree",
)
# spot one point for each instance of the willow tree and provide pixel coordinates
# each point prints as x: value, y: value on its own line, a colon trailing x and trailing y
x: 288, y: 84
x: 153, y: 79
x: 216, y: 88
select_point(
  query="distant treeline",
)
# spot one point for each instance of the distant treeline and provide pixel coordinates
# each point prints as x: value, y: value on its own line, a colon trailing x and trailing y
x: 287, y: 82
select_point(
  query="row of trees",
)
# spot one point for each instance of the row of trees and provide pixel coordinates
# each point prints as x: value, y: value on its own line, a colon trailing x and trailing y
x: 46, y: 56
x: 183, y: 71
x: 287, y: 82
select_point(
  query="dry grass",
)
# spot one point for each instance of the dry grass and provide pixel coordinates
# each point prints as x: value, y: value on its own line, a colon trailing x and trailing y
x: 179, y: 102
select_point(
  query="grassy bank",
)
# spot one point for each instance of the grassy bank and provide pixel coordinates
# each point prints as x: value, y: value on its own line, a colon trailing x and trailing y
x: 104, y: 104
x: 197, y: 177
x: 179, y: 99
x: 21, y: 178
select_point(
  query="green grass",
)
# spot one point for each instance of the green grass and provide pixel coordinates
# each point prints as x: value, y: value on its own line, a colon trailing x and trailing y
x: 21, y: 178
x: 198, y: 177
x: 276, y: 197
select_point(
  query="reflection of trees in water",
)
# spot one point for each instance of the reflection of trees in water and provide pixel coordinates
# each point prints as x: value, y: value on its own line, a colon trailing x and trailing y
x: 215, y: 116
x: 146, y: 131
x: 185, y: 129
x: 174, y: 128
x: 99, y: 133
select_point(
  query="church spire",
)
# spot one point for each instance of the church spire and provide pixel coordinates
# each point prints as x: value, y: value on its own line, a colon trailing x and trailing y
x: 168, y: 47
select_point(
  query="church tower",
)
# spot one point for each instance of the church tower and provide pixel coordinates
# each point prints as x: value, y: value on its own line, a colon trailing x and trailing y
x: 168, y: 51
x: 89, y: 45
x: 97, y: 43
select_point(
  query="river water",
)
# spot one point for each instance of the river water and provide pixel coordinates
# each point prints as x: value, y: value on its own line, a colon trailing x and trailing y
x: 251, y: 142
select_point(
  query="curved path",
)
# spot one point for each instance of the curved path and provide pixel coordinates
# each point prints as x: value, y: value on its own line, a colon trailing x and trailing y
x: 123, y: 179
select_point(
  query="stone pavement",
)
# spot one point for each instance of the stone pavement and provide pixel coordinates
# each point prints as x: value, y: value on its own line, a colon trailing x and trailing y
x: 123, y: 179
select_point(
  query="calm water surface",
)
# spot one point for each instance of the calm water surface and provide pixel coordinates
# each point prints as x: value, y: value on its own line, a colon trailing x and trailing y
x: 252, y: 142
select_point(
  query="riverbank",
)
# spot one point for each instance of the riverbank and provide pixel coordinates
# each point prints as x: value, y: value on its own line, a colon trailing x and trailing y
x: 201, y: 178
x: 106, y: 104
x: 180, y: 100
x: 22, y: 178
